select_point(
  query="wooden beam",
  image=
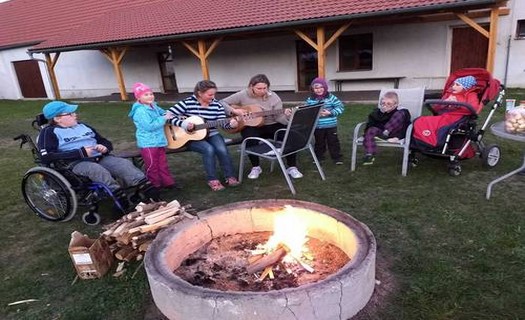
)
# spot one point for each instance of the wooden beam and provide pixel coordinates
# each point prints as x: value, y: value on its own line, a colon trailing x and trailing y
x: 491, y: 55
x: 50, y: 63
x: 306, y: 38
x: 473, y: 24
x: 321, y: 52
x: 337, y: 34
x: 115, y: 56
x: 202, y: 53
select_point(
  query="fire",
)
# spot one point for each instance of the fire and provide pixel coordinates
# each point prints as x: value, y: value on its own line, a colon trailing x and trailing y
x: 289, y: 230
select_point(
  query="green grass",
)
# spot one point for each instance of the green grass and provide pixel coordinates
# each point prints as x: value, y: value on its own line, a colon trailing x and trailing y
x: 448, y: 252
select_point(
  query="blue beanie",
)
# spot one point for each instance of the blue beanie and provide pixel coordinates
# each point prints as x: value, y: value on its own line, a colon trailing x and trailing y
x: 466, y: 82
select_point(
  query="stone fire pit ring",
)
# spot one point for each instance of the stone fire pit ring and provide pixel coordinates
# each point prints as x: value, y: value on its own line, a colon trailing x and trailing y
x: 339, y: 296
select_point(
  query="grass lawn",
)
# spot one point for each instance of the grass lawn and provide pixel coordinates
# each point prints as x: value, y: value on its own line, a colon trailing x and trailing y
x: 444, y: 251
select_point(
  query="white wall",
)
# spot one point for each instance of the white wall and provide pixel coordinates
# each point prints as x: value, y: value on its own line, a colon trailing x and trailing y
x: 233, y: 63
x: 10, y: 88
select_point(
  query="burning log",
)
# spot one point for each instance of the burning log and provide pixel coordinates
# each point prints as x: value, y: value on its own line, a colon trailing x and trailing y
x: 268, y: 260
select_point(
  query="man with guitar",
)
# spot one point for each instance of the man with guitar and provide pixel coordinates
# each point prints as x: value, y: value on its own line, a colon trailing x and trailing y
x: 202, y: 111
x: 269, y: 117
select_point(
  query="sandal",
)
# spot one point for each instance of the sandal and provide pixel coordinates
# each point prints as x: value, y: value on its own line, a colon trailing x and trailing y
x: 215, y: 185
x: 232, y: 182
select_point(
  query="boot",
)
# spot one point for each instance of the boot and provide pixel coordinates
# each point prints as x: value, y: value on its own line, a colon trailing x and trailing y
x: 122, y: 199
x: 149, y: 192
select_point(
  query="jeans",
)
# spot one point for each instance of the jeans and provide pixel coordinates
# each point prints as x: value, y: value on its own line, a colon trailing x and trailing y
x: 209, y: 148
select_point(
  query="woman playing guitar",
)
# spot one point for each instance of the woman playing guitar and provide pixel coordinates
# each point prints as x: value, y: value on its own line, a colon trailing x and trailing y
x: 258, y: 93
x: 202, y: 104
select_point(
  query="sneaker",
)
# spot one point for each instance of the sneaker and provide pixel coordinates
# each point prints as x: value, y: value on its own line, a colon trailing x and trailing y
x: 215, y: 185
x: 254, y: 174
x: 368, y: 160
x: 232, y: 182
x: 294, y: 173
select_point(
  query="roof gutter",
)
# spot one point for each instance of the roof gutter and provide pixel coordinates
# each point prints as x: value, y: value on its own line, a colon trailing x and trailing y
x: 267, y: 27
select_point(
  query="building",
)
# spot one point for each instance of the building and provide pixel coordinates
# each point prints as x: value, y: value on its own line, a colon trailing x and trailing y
x: 74, y: 49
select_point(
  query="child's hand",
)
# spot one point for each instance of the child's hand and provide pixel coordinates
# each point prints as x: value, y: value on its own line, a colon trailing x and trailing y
x: 169, y: 116
x: 325, y: 113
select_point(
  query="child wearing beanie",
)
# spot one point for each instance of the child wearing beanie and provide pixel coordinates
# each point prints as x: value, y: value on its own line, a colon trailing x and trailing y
x: 149, y: 120
x: 326, y: 131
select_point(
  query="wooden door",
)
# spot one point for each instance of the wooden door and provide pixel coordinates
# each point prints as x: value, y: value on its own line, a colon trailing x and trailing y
x: 30, y: 79
x: 469, y: 49
x: 306, y: 65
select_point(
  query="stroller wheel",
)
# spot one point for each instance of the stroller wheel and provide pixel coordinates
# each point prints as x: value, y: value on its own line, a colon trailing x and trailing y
x: 491, y: 156
x: 91, y: 218
x: 454, y: 169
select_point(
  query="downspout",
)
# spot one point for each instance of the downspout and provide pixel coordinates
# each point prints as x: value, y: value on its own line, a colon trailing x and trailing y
x: 507, y: 58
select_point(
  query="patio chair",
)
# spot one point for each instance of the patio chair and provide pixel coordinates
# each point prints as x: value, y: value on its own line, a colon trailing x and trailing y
x: 411, y: 99
x: 297, y: 137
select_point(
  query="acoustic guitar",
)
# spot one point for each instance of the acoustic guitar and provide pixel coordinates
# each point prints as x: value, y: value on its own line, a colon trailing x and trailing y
x: 254, y: 117
x: 177, y: 137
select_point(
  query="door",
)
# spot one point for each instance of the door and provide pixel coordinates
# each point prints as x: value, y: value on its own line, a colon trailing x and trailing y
x: 167, y: 72
x: 306, y: 65
x: 469, y: 49
x: 30, y: 79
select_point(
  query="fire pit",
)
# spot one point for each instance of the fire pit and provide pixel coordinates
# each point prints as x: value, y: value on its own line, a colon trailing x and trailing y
x: 338, y: 296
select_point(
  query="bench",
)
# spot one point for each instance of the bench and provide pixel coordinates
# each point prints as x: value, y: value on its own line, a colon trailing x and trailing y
x: 134, y: 153
x: 339, y: 81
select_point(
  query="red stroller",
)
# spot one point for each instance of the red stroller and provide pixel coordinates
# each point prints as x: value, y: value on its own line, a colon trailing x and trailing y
x: 452, y: 130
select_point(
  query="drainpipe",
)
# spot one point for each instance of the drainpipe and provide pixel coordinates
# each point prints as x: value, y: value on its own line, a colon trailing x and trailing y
x: 30, y: 54
x: 507, y: 58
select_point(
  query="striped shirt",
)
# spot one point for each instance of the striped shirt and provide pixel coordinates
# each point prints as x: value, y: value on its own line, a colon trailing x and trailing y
x: 191, y: 107
x: 332, y: 104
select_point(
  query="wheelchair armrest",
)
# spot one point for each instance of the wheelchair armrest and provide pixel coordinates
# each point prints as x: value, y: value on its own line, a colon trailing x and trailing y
x: 275, y: 135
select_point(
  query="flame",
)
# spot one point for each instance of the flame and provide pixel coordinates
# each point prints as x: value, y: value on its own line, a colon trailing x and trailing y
x: 289, y: 229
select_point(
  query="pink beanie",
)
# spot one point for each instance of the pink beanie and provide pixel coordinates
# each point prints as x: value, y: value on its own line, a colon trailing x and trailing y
x: 139, y: 89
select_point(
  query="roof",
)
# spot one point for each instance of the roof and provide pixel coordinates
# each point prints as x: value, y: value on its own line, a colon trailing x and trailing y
x: 62, y: 25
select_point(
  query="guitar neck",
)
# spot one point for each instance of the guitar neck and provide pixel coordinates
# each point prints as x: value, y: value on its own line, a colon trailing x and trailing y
x: 212, y: 123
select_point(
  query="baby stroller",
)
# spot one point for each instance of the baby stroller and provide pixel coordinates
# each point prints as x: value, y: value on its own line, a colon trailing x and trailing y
x: 54, y: 192
x: 452, y: 132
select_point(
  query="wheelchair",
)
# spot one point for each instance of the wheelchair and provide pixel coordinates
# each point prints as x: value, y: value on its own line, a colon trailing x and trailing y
x: 54, y: 192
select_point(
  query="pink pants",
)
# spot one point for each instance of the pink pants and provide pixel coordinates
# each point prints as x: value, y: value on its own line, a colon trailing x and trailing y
x: 156, y: 167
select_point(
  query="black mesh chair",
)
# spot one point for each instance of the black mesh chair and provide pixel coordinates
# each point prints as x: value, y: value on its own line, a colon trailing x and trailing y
x: 296, y: 137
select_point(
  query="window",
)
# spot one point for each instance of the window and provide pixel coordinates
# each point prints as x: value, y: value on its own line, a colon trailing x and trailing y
x: 355, y: 52
x: 520, y: 30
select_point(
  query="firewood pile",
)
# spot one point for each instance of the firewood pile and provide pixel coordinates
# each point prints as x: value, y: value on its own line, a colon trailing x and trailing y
x: 131, y: 235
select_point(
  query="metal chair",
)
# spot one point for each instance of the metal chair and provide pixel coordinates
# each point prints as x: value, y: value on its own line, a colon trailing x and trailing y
x: 411, y: 99
x: 298, y: 136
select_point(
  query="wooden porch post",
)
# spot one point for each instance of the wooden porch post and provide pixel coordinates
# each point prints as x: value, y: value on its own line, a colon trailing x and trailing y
x: 202, y: 53
x: 50, y: 63
x: 321, y: 45
x: 115, y: 56
x: 491, y: 55
x: 492, y: 34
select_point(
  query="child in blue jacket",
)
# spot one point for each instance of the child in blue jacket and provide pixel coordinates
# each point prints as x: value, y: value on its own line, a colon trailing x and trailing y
x: 326, y: 131
x: 150, y: 120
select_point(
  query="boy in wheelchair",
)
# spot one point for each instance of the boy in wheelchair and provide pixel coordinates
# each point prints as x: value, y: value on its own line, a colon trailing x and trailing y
x: 77, y: 147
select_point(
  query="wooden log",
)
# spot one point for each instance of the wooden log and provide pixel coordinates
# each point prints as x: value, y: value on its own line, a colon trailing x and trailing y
x: 122, y: 253
x: 158, y: 218
x: 130, y: 256
x: 268, y: 260
x: 125, y: 237
x: 148, y: 207
x: 142, y: 236
x: 144, y: 247
x: 158, y: 225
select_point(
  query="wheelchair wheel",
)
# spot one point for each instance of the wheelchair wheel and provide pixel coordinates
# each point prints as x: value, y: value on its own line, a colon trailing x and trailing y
x: 491, y: 156
x: 49, y: 194
x: 91, y: 218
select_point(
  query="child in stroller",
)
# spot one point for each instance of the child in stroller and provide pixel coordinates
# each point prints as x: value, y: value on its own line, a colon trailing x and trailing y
x: 451, y: 131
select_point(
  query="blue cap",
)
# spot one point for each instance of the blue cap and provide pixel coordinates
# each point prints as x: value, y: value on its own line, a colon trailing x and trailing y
x: 54, y: 108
